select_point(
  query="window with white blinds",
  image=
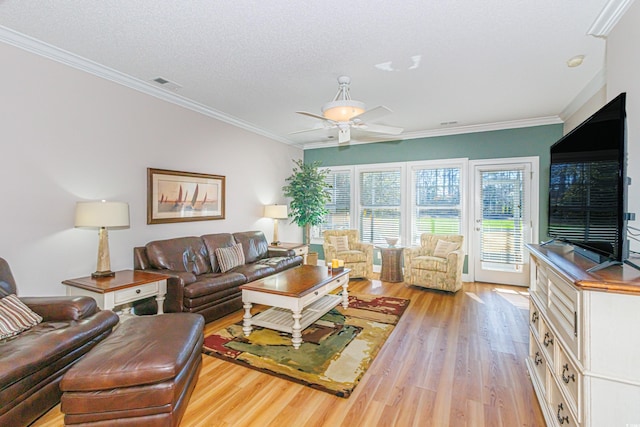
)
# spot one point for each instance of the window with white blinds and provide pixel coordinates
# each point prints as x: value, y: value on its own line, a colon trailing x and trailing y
x: 436, y: 204
x: 339, y: 207
x: 380, y: 202
x: 401, y: 200
x: 502, y: 237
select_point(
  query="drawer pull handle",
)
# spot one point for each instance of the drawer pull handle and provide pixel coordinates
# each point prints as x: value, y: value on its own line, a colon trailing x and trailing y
x: 534, y: 317
x: 566, y: 379
x: 316, y: 292
x: 537, y: 359
x: 548, y: 340
x: 138, y: 291
x: 562, y: 419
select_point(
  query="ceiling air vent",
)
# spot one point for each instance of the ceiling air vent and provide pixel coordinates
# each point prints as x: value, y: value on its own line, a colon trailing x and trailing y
x: 166, y: 84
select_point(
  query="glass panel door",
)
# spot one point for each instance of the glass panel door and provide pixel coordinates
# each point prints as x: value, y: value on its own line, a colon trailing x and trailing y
x: 502, y: 223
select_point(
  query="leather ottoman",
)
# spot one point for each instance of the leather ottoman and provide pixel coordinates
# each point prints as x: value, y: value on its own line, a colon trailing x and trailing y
x: 141, y: 375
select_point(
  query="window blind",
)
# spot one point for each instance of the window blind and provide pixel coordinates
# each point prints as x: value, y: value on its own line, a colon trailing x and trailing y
x: 435, y: 202
x: 502, y: 239
x: 380, y: 205
x: 339, y: 207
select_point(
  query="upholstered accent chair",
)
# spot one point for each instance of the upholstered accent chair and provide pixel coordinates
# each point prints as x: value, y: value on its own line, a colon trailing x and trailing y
x: 345, y: 245
x: 437, y: 263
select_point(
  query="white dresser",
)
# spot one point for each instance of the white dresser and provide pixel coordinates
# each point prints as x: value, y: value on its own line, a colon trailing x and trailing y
x: 584, y: 347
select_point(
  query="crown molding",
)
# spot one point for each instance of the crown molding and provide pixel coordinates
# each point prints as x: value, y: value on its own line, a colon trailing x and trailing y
x: 609, y: 17
x: 457, y: 130
x: 48, y: 51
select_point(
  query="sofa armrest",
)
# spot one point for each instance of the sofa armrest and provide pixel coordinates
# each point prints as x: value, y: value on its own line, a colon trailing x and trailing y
x: 456, y: 259
x: 62, y: 308
x: 367, y: 248
x: 329, y: 252
x: 413, y: 252
x: 272, y: 253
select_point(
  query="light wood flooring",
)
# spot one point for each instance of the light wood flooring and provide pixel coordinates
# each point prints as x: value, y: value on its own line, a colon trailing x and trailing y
x: 453, y: 360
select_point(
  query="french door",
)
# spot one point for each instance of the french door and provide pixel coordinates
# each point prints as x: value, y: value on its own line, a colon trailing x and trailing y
x: 504, y: 219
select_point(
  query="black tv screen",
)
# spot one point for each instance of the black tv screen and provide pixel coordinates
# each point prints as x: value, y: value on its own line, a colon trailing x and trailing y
x: 587, y: 185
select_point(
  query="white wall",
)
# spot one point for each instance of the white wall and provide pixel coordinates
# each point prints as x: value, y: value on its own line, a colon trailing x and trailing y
x: 67, y: 135
x: 585, y: 111
x: 623, y: 75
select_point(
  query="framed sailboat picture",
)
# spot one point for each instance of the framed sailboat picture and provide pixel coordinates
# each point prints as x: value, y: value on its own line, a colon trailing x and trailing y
x: 174, y: 196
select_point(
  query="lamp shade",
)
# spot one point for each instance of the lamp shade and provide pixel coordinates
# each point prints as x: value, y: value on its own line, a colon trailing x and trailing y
x: 102, y: 214
x: 276, y: 211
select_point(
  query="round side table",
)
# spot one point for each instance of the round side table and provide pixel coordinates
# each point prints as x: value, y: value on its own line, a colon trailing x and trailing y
x: 391, y: 263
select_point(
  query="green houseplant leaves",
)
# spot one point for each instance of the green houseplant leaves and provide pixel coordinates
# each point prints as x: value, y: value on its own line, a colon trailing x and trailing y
x: 309, y: 195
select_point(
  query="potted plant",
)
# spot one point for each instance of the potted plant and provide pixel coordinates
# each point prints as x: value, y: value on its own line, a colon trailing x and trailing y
x: 309, y: 195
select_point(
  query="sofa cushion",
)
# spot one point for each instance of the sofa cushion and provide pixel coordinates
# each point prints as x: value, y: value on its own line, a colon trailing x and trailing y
x: 15, y: 317
x: 214, y: 282
x: 179, y: 254
x: 254, y: 245
x: 429, y: 263
x: 281, y: 263
x: 255, y: 271
x: 215, y: 241
x: 229, y: 258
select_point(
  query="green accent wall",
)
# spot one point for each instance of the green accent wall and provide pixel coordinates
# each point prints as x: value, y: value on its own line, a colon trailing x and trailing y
x: 520, y: 142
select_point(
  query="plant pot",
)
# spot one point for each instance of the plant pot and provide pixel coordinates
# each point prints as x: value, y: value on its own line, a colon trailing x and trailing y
x: 312, y: 258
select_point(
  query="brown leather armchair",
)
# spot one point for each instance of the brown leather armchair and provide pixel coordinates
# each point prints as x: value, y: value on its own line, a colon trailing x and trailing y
x: 32, y: 363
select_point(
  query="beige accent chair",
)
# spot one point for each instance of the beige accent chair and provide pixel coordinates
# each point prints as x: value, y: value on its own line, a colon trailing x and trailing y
x: 437, y: 263
x: 358, y: 256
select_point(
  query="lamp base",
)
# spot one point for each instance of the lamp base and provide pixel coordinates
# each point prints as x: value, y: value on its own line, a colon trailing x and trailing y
x: 107, y: 273
x: 275, y: 243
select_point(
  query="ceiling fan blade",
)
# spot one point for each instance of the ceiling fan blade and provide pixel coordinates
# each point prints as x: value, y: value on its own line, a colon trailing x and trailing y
x: 391, y: 130
x: 315, y: 116
x: 372, y: 114
x: 344, y: 134
x: 319, y: 126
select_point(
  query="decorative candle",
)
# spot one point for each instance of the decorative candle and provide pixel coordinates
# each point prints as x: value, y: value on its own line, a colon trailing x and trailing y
x: 334, y: 263
x: 340, y: 263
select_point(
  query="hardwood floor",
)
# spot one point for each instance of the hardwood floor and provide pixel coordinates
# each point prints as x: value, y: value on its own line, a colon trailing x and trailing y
x: 453, y: 360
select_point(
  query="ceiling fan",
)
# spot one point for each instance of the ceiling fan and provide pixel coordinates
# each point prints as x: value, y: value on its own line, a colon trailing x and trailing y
x: 345, y: 113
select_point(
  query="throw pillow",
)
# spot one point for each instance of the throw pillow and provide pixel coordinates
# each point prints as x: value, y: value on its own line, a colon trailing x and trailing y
x: 340, y: 242
x: 15, y: 317
x: 230, y: 257
x: 443, y: 248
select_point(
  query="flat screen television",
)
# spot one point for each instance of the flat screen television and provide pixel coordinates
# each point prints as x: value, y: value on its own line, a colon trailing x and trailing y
x: 588, y: 187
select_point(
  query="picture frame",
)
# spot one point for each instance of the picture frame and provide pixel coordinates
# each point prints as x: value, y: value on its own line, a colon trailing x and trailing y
x: 175, y: 196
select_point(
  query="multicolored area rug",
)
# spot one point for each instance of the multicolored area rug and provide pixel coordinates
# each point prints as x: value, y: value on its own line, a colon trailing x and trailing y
x: 336, y: 350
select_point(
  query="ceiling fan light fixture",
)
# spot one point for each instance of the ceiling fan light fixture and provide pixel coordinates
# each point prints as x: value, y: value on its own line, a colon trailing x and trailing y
x: 342, y: 110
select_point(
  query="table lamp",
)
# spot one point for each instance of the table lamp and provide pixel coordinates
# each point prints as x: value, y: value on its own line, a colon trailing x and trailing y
x: 276, y: 212
x: 102, y: 215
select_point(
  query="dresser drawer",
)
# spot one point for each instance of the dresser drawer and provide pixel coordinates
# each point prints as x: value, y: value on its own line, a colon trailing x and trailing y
x: 547, y: 340
x: 563, y: 415
x: 534, y: 319
x: 539, y: 362
x: 564, y: 311
x: 570, y: 380
x: 135, y: 293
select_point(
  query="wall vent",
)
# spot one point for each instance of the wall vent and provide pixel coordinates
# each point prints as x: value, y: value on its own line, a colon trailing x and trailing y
x: 166, y: 84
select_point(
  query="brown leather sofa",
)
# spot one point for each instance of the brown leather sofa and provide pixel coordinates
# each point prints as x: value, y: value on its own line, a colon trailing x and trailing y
x: 196, y: 283
x: 33, y: 362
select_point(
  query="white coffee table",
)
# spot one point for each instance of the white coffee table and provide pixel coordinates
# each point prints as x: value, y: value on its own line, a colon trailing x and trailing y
x: 298, y: 297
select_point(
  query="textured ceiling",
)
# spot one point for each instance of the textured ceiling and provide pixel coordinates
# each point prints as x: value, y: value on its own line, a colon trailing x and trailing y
x: 480, y: 64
